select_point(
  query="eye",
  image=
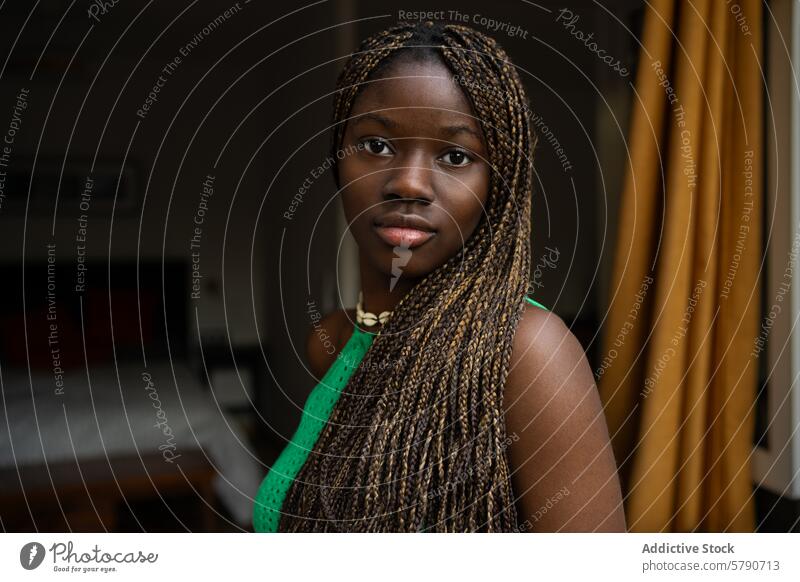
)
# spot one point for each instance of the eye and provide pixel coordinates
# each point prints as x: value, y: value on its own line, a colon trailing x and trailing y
x: 456, y: 158
x: 376, y: 146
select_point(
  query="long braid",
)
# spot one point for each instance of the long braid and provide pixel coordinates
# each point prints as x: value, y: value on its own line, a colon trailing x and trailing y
x: 420, y: 444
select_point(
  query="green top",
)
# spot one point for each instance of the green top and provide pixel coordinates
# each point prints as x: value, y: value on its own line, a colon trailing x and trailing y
x: 316, y: 412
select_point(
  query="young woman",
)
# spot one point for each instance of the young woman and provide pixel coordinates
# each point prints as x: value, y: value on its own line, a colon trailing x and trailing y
x: 455, y: 403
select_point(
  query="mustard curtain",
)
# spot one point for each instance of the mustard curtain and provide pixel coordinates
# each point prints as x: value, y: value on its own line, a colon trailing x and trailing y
x: 678, y: 380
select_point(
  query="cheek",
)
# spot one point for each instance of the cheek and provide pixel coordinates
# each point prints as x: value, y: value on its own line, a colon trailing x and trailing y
x: 357, y: 191
x: 361, y: 199
x: 348, y: 173
x: 466, y: 203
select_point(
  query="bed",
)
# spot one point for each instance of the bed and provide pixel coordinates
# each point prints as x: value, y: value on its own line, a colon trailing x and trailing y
x: 93, y: 432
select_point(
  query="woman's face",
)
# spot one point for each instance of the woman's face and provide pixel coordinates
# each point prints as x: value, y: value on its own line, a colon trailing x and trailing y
x: 415, y: 175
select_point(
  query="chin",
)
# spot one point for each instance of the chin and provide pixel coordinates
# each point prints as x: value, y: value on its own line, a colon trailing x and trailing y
x: 415, y: 268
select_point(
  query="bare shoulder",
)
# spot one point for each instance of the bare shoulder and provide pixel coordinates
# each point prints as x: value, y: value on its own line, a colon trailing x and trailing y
x: 326, y: 338
x: 535, y: 324
x: 560, y: 454
x: 548, y: 366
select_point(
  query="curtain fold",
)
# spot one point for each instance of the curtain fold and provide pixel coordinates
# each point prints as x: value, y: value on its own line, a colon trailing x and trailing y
x: 678, y: 381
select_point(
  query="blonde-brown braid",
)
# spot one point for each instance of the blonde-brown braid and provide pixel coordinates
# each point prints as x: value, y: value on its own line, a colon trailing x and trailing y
x: 420, y: 445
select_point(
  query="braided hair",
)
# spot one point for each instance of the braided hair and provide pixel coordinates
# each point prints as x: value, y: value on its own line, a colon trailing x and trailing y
x: 419, y: 445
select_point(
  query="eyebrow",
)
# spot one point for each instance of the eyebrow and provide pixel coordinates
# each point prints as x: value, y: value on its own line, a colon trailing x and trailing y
x: 452, y: 130
x: 449, y: 131
x: 383, y: 120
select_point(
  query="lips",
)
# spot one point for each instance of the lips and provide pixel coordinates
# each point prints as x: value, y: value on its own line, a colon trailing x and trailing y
x: 404, y: 230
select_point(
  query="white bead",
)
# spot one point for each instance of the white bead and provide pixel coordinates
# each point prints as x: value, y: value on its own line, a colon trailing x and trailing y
x: 367, y: 318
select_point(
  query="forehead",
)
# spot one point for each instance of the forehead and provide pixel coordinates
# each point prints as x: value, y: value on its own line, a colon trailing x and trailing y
x: 420, y: 95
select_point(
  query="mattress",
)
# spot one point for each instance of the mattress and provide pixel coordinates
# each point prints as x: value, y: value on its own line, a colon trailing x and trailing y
x: 122, y: 410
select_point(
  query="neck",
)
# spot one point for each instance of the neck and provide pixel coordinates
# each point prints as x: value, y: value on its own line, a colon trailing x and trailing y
x: 376, y: 295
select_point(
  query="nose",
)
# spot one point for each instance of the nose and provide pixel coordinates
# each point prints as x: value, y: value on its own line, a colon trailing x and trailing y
x: 411, y: 179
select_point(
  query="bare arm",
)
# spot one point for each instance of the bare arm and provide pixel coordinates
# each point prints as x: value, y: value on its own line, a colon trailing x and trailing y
x: 564, y: 474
